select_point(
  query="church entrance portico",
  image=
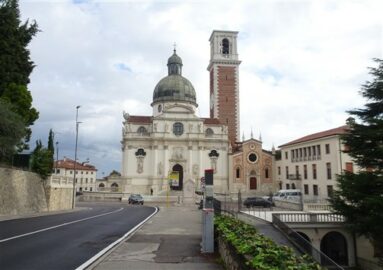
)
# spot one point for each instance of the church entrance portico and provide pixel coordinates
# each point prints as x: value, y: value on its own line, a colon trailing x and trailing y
x: 178, y: 168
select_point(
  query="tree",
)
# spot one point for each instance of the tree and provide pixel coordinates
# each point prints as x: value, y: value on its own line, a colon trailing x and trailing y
x: 51, y: 147
x: 42, y: 160
x: 360, y: 195
x: 12, y: 129
x: 50, y: 142
x: 20, y: 100
x: 15, y: 64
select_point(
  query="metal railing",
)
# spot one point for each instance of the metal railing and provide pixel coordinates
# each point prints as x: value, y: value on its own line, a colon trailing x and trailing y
x: 225, y: 202
x: 304, y: 245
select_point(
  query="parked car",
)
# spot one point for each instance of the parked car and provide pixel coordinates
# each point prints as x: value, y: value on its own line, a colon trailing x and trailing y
x: 257, y: 201
x: 288, y: 194
x: 136, y: 199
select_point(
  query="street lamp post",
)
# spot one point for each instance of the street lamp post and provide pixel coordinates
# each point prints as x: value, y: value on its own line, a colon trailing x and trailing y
x: 75, y: 158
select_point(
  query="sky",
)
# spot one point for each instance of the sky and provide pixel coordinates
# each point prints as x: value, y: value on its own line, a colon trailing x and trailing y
x: 303, y: 64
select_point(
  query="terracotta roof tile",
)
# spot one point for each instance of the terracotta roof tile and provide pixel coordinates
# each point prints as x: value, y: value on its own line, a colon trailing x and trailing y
x: 68, y: 163
x: 322, y: 134
x: 140, y: 119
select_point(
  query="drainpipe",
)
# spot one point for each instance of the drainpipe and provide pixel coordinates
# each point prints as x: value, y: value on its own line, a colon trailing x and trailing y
x: 340, y: 155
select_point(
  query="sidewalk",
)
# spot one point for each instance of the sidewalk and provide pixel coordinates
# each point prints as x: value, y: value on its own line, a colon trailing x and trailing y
x: 170, y: 240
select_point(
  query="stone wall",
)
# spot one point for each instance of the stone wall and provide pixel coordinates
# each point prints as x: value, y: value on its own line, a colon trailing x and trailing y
x: 59, y: 198
x: 23, y: 192
x: 232, y: 260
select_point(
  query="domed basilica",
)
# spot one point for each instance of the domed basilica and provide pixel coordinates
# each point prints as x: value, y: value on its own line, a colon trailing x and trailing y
x: 175, y: 141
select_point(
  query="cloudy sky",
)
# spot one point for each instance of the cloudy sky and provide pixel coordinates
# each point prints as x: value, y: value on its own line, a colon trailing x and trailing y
x: 302, y: 64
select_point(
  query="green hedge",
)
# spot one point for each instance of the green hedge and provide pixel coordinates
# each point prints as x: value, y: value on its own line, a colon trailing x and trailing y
x: 261, y: 253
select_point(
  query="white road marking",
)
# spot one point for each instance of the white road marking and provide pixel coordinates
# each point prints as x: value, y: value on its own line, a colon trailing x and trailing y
x: 105, y: 250
x: 60, y: 225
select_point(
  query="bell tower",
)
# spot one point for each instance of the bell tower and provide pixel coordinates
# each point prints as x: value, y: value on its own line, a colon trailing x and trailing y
x: 224, y: 81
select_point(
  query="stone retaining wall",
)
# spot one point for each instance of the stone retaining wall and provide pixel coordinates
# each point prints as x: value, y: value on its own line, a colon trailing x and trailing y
x: 23, y: 192
x: 59, y: 198
x: 232, y: 260
x: 89, y: 196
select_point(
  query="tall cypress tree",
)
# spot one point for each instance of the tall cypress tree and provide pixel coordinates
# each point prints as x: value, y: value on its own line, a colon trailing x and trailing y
x: 51, y: 147
x: 15, y: 64
x: 50, y: 142
x: 360, y: 195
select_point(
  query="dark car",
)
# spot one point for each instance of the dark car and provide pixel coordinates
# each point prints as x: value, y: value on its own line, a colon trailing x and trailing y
x: 136, y: 199
x: 257, y: 201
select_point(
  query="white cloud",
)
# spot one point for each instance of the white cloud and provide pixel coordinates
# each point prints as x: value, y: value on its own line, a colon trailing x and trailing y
x: 302, y: 64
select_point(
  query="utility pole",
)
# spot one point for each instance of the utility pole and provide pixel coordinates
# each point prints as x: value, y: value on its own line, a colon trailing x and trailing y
x: 57, y: 155
x: 75, y: 158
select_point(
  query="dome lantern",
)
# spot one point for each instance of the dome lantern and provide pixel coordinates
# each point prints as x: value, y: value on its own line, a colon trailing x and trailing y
x: 174, y: 64
x: 174, y: 87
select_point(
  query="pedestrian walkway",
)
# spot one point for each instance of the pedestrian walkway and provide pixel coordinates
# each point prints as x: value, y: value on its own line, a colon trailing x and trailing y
x: 267, y: 229
x: 170, y: 240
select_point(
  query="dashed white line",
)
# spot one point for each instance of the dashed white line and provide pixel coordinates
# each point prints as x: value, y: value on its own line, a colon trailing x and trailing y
x: 60, y: 225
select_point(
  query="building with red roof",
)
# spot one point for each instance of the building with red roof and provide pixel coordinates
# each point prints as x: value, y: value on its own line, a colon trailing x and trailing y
x: 311, y: 163
x: 85, y: 173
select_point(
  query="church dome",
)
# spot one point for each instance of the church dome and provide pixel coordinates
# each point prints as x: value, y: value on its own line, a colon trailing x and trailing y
x: 174, y: 87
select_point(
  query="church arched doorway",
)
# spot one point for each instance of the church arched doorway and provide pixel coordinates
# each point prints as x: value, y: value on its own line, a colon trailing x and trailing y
x: 253, y: 182
x: 334, y: 245
x: 178, y: 168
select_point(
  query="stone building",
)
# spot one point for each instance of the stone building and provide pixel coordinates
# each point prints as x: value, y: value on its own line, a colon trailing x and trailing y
x: 252, y: 169
x: 85, y: 173
x: 312, y: 162
x: 175, y: 139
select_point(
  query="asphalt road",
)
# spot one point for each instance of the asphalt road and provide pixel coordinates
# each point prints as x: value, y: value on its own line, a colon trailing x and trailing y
x: 65, y: 241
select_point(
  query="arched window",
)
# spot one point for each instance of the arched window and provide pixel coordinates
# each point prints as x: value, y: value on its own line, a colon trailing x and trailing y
x: 142, y: 130
x: 209, y: 132
x: 101, y: 185
x: 267, y: 173
x: 114, y: 187
x: 238, y: 173
x: 225, y: 46
x: 292, y: 186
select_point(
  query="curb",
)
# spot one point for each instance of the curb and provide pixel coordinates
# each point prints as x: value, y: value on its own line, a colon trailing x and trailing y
x: 96, y: 257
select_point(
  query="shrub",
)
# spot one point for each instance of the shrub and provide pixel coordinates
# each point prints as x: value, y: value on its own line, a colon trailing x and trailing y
x: 261, y: 253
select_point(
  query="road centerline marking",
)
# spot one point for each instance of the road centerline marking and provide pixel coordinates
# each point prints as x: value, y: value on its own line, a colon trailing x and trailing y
x: 60, y: 225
